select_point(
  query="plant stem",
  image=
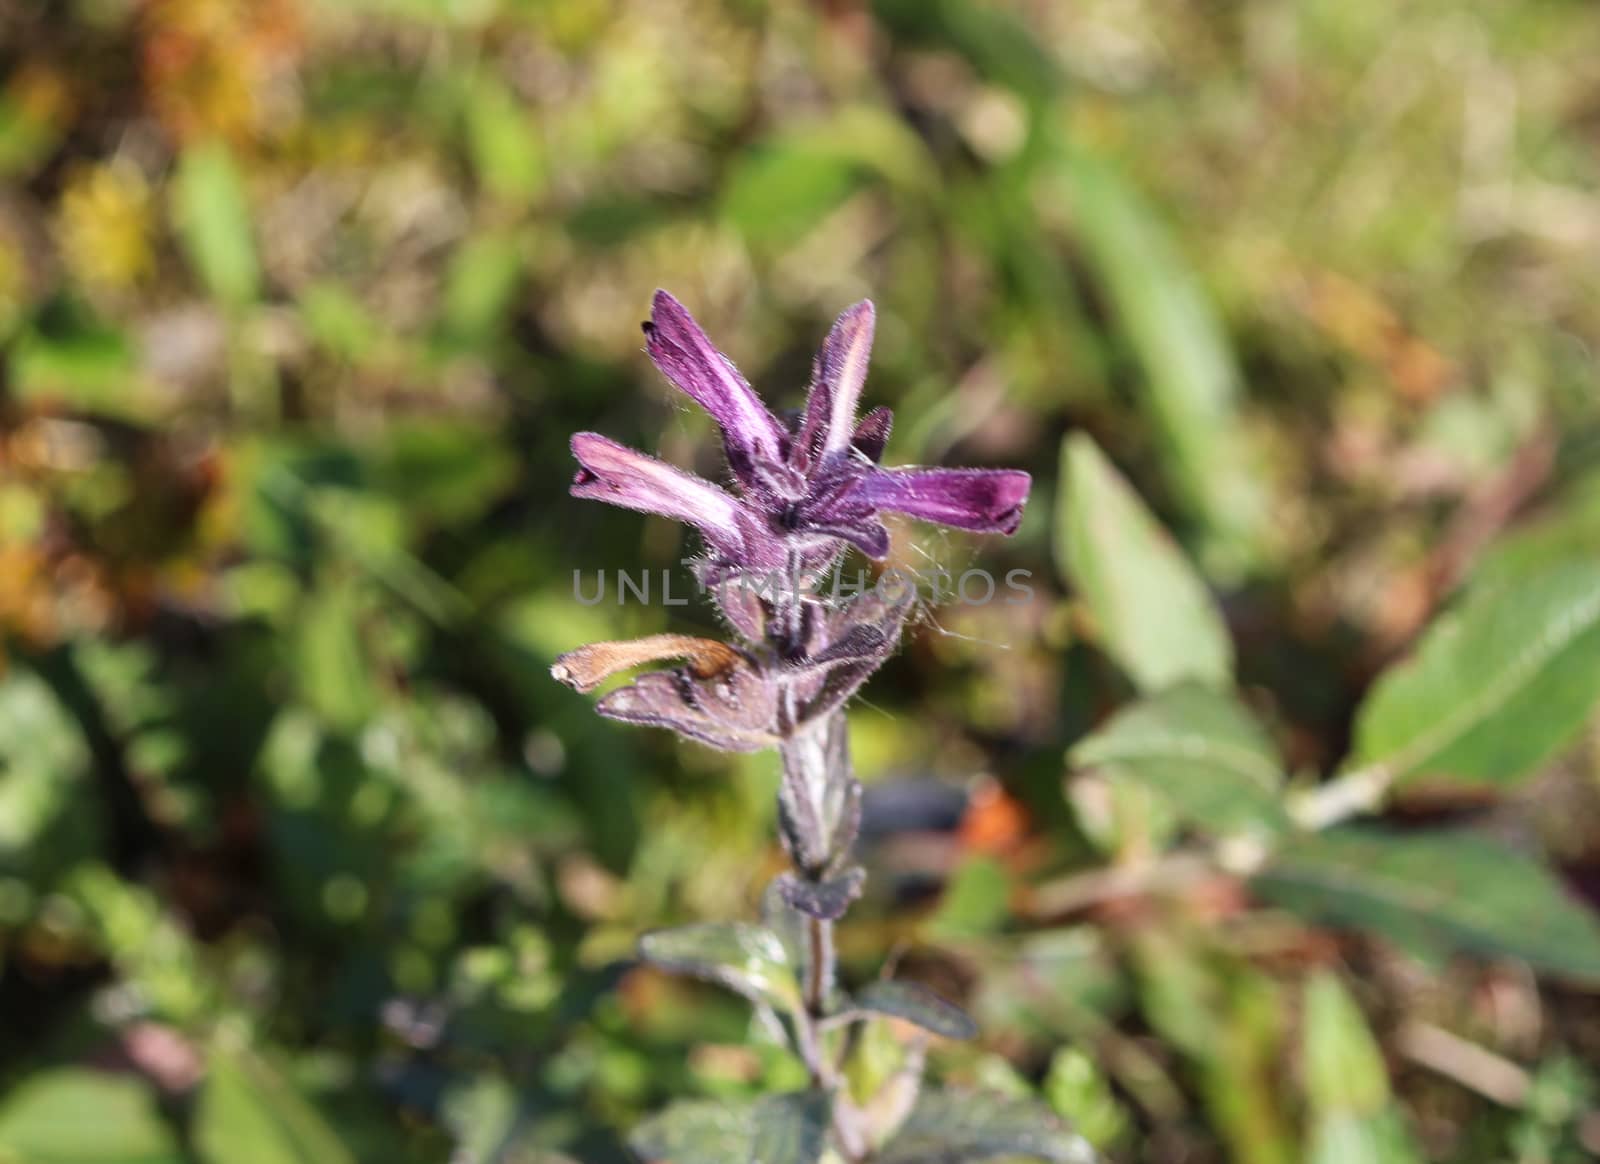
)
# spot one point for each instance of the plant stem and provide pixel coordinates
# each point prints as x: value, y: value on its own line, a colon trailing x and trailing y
x: 817, y: 777
x: 1339, y: 799
x: 819, y: 978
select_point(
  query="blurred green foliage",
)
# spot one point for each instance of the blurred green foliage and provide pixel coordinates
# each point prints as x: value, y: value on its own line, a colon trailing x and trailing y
x: 303, y: 857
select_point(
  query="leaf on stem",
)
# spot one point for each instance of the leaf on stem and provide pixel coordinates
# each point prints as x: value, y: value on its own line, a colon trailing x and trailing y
x: 918, y: 1005
x: 1435, y: 893
x: 949, y: 1127
x: 1153, y: 613
x: 1495, y: 687
x: 748, y: 959
x: 780, y: 1129
x: 1201, y: 750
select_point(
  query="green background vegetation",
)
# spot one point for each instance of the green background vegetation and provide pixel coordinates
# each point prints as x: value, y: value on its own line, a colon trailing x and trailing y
x: 305, y: 860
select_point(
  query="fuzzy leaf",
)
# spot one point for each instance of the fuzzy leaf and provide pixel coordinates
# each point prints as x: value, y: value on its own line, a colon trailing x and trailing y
x: 1153, y: 613
x: 915, y: 1004
x: 1200, y: 749
x: 1450, y: 891
x: 709, y: 1132
x: 950, y: 1127
x: 781, y: 1129
x: 792, y: 1129
x: 745, y: 958
x: 1496, y: 687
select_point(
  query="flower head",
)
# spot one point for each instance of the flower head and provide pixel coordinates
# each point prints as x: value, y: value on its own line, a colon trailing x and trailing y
x: 805, y: 488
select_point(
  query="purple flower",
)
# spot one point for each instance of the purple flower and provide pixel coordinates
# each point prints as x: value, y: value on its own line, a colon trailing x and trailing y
x: 803, y: 490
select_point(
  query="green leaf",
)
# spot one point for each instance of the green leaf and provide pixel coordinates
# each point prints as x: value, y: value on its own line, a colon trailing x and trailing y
x: 1079, y: 1092
x: 478, y: 290
x: 949, y: 1127
x: 712, y: 1132
x: 792, y: 1129
x: 482, y: 1113
x: 790, y: 183
x: 1226, y: 1017
x: 976, y: 900
x: 83, y: 362
x: 1191, y: 382
x: 780, y: 1129
x: 44, y: 761
x: 918, y: 1005
x: 505, y: 151
x: 249, y: 1114
x: 1200, y: 749
x: 339, y: 322
x: 492, y: 1123
x: 212, y: 216
x: 1344, y: 1069
x: 440, y: 471
x: 1450, y: 891
x: 1353, y: 1116
x: 70, y: 1116
x: 1495, y: 688
x: 1347, y: 1139
x: 1154, y: 615
x: 745, y: 958
x: 330, y: 661
x: 781, y: 191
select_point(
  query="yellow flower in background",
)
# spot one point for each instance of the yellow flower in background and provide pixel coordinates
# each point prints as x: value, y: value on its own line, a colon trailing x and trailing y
x: 220, y: 68
x: 104, y: 226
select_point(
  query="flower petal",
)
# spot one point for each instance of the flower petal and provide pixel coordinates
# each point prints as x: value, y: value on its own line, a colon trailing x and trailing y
x: 589, y: 666
x: 613, y: 472
x: 985, y: 500
x: 686, y: 357
x: 865, y: 532
x: 872, y: 434
x: 836, y: 381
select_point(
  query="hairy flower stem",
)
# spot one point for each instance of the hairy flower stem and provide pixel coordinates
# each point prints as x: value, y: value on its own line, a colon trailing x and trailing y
x: 817, y: 802
x: 819, y: 976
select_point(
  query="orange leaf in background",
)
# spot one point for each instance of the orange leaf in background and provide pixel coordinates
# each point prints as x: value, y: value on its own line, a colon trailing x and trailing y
x: 214, y: 67
x: 995, y: 822
x: 1357, y: 319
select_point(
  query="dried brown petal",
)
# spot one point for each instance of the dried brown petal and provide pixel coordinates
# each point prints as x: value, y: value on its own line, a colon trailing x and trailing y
x: 587, y: 667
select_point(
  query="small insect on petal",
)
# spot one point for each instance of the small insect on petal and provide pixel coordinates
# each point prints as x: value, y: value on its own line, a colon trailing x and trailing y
x: 587, y: 667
